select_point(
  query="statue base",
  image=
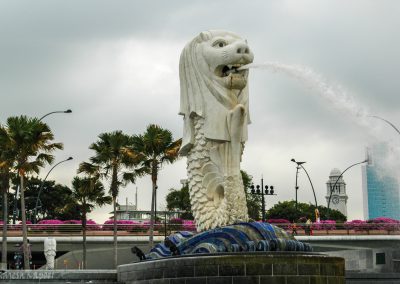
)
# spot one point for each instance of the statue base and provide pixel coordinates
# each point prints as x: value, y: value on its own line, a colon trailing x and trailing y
x: 240, y: 267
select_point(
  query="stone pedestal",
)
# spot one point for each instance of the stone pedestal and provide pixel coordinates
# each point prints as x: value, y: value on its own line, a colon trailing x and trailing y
x: 240, y: 268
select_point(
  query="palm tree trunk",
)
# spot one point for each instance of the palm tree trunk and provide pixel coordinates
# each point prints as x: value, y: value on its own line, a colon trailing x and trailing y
x: 153, y: 197
x: 151, y: 229
x: 24, y: 228
x: 5, y: 184
x: 115, y: 232
x: 84, y: 237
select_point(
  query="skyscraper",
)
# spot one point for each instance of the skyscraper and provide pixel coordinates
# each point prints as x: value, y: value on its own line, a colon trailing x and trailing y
x: 381, y: 192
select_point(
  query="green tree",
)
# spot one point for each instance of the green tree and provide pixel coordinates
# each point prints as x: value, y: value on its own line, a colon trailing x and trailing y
x: 287, y: 210
x: 180, y: 200
x: 154, y: 148
x: 115, y: 161
x: 30, y: 144
x: 88, y: 192
x: 253, y: 201
x: 53, y: 199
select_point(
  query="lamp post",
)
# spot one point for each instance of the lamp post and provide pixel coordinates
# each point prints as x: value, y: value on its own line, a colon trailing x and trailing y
x: 312, y: 186
x: 262, y: 192
x: 387, y: 121
x: 337, y: 180
x: 41, y: 187
x: 296, y: 187
x: 57, y: 111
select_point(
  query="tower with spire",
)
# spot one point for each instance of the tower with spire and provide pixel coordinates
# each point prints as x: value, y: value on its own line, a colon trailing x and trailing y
x: 339, y: 196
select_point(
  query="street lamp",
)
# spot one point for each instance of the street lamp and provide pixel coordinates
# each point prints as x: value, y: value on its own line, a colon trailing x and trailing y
x: 262, y: 192
x: 387, y: 121
x: 58, y: 111
x: 41, y: 187
x: 312, y: 187
x: 296, y: 187
x: 333, y: 187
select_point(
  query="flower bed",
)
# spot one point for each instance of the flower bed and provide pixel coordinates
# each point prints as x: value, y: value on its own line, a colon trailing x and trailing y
x: 47, y: 225
x: 122, y: 225
x: 324, y: 225
x: 188, y: 225
x: 383, y: 223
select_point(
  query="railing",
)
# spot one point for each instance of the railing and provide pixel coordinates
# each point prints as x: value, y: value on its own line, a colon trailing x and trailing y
x: 160, y: 229
x: 96, y: 229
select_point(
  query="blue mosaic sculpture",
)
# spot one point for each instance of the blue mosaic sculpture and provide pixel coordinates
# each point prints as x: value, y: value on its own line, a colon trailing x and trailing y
x: 249, y: 237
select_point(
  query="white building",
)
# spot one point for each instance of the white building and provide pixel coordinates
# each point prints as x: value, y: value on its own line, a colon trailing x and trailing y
x: 339, y: 196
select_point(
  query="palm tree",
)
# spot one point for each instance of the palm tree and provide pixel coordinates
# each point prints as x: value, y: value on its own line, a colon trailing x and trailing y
x: 30, y: 142
x: 87, y: 192
x: 115, y: 161
x: 154, y: 148
x: 6, y: 163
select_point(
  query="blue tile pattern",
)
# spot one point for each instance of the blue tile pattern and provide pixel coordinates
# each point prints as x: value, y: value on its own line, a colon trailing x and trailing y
x: 254, y: 236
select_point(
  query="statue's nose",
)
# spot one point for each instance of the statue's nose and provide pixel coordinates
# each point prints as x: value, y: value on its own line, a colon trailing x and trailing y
x: 242, y: 48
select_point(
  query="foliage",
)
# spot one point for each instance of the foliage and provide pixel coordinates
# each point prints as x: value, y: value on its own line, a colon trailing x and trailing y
x: 152, y: 149
x: 384, y: 223
x: 324, y: 225
x: 287, y: 210
x: 179, y: 200
x: 253, y: 201
x: 53, y: 199
x: 87, y: 194
x: 29, y: 148
x: 114, y: 161
x: 123, y: 225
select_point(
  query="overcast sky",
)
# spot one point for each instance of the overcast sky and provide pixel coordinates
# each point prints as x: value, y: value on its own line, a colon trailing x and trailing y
x: 115, y: 64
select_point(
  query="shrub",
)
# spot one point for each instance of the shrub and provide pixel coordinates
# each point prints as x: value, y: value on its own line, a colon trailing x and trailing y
x: 358, y: 225
x: 48, y: 225
x: 189, y: 225
x: 324, y: 225
x: 122, y: 225
x: 384, y: 223
x: 175, y: 224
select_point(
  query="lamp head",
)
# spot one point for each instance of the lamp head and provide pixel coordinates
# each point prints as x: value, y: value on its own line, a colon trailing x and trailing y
x: 298, y: 163
x: 70, y: 158
x: 68, y: 111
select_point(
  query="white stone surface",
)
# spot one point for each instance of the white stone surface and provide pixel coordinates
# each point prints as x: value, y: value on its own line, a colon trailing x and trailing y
x: 50, y: 248
x: 215, y: 110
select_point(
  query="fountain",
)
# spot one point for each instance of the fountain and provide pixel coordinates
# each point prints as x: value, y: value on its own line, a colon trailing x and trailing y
x: 228, y: 248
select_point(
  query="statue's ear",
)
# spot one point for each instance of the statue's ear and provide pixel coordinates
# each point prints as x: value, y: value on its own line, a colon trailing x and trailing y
x: 204, y: 36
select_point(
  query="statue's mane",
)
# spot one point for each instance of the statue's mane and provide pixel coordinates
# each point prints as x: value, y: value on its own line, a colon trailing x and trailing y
x: 197, y: 90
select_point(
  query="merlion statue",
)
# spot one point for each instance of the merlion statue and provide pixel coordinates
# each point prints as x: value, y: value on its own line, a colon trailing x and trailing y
x: 50, y: 252
x: 215, y: 109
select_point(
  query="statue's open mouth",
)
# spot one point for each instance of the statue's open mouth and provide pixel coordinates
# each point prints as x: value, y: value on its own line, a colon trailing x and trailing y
x: 226, y: 70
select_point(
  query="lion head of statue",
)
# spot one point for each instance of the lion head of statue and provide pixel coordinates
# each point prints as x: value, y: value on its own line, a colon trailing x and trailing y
x: 211, y: 81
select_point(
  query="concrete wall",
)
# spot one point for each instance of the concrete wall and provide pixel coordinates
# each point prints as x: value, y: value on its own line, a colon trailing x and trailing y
x: 365, y: 260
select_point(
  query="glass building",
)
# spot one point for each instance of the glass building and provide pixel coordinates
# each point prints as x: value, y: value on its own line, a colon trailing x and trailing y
x: 381, y: 192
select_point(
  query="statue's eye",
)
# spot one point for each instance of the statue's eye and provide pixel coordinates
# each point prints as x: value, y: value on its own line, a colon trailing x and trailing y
x: 219, y: 43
